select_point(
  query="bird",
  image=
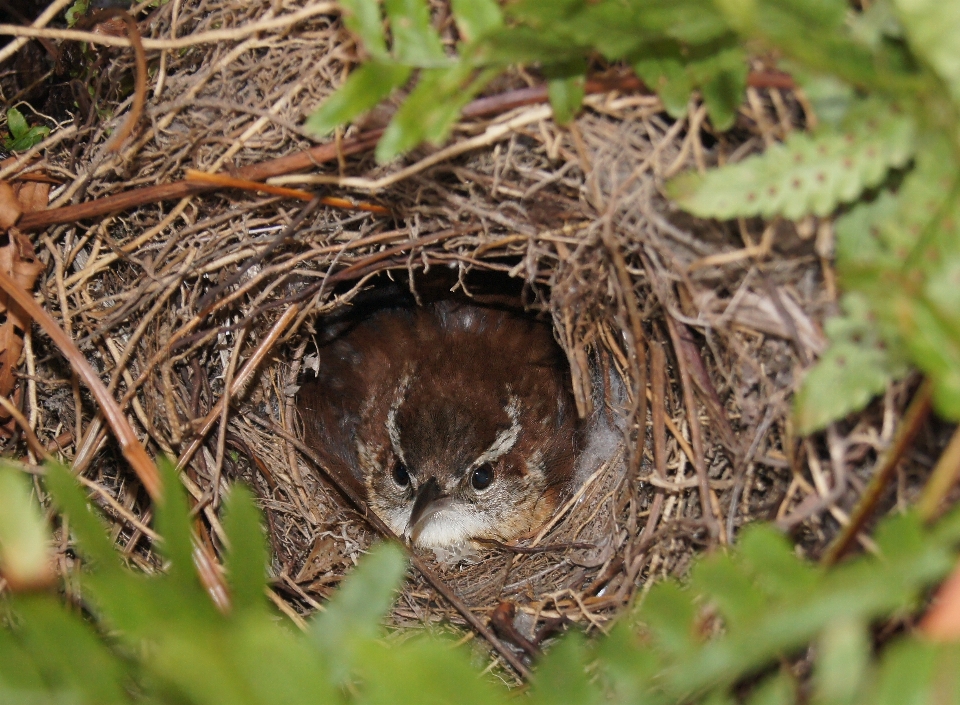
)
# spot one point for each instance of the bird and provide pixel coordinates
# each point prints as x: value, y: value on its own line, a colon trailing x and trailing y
x: 454, y: 422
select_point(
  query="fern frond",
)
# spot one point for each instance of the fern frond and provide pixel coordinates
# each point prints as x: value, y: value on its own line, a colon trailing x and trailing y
x: 807, y: 174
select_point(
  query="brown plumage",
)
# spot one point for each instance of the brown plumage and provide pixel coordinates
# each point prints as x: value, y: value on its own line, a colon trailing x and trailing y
x: 453, y: 421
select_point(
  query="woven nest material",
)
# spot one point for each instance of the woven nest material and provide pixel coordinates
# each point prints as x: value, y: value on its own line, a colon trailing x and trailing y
x: 715, y: 324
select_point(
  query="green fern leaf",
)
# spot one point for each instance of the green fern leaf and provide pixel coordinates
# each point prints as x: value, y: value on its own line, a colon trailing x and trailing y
x: 364, y: 19
x: 934, y: 28
x: 806, y: 174
x: 855, y: 368
x: 363, y: 90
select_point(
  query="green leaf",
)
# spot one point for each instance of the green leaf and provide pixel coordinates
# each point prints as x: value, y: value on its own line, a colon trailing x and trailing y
x: 906, y: 674
x: 769, y: 558
x: 18, y: 670
x: 813, y: 33
x: 22, y: 136
x: 612, y: 28
x: 562, y: 677
x: 247, y: 559
x: 34, y: 136
x: 724, y: 583
x: 856, y: 367
x: 669, y: 78
x: 363, y: 18
x: 566, y: 97
x: 830, y: 98
x: 875, y: 24
x: 277, y: 667
x: 935, y: 348
x: 630, y: 665
x: 807, y: 174
x: 933, y: 27
x: 85, y: 523
x: 528, y: 45
x: 25, y: 559
x: 363, y: 90
x: 428, y: 671
x: 77, y: 10
x: 16, y: 123
x: 353, y: 615
x: 476, y: 18
x: 723, y: 80
x: 776, y: 690
x: 68, y: 652
x: 415, y: 41
x: 431, y: 109
x: 539, y: 14
x: 174, y: 525
x: 669, y: 613
x: 741, y: 14
x: 877, y: 239
x: 842, y: 659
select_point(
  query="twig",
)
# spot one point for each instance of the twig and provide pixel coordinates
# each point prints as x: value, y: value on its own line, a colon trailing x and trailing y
x: 910, y: 425
x: 502, y: 622
x: 214, y: 293
x: 528, y: 550
x: 658, y: 377
x: 52, y: 11
x: 140, y: 77
x: 942, y: 479
x: 241, y: 380
x: 212, y: 37
x: 696, y: 435
x: 132, y: 449
x: 482, y: 107
x: 675, y: 432
x: 708, y: 394
x: 786, y: 319
x: 179, y: 189
x: 224, y: 181
x: 32, y: 441
x: 639, y: 349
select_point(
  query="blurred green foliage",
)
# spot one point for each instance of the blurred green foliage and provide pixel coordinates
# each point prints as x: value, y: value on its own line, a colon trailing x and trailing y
x: 126, y: 637
x: 676, y: 46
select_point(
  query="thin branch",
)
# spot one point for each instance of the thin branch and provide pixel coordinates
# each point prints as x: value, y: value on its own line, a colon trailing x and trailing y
x: 132, y: 449
x: 910, y: 424
x: 212, y: 37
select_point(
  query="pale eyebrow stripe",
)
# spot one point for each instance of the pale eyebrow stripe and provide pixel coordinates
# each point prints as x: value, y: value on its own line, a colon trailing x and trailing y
x: 392, y: 430
x: 506, y: 439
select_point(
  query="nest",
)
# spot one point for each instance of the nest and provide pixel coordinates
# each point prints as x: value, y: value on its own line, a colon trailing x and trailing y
x: 199, y: 313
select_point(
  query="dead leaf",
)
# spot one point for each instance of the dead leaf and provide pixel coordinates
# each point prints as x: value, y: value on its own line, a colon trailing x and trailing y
x: 18, y: 260
x: 112, y: 27
x: 10, y: 210
x: 32, y: 195
x: 322, y: 559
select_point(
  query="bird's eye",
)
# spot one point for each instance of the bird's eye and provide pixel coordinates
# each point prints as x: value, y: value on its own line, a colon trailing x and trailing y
x: 400, y: 474
x: 482, y: 477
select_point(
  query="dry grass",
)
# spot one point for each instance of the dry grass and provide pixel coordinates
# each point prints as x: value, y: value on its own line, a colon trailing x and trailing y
x: 722, y: 321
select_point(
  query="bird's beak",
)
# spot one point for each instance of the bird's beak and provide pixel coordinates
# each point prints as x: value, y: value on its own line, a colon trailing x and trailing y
x: 430, y: 500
